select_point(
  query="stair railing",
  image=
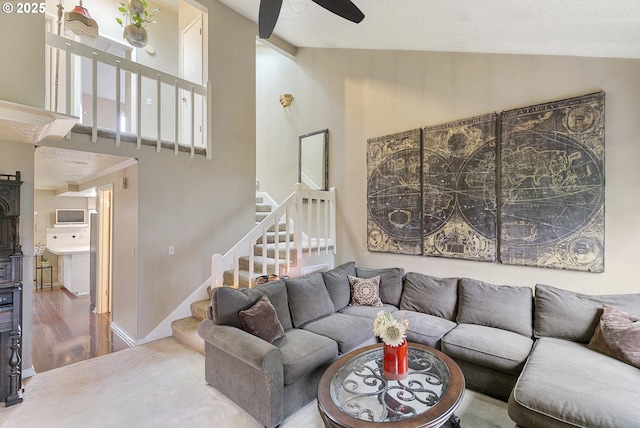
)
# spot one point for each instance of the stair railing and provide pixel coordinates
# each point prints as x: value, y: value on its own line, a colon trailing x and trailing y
x: 308, y: 217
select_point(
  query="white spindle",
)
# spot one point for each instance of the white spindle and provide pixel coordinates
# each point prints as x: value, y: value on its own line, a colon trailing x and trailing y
x: 94, y: 103
x: 159, y: 113
x: 193, y: 122
x: 139, y: 109
x: 118, y: 106
x: 177, y: 128
x: 67, y: 84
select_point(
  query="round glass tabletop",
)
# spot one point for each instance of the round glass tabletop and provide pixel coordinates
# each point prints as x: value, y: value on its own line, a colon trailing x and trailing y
x: 360, y: 390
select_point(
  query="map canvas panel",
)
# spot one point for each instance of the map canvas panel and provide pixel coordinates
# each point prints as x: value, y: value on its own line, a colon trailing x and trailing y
x: 552, y: 185
x: 394, y: 193
x: 459, y: 189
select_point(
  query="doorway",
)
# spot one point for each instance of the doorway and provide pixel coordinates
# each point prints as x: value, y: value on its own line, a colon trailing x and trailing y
x: 66, y: 327
x: 191, y: 69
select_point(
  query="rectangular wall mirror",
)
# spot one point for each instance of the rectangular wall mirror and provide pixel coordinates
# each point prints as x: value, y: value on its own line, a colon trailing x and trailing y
x: 313, y: 160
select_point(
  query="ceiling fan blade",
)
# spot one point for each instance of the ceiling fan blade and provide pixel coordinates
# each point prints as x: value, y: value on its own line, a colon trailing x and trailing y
x: 268, y: 16
x: 343, y: 8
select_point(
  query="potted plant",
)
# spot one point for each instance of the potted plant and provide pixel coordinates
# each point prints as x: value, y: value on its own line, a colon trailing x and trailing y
x: 136, y: 19
x: 44, y: 262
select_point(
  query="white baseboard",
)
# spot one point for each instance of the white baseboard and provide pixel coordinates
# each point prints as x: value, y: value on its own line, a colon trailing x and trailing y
x: 122, y: 334
x: 183, y: 310
x: 28, y: 372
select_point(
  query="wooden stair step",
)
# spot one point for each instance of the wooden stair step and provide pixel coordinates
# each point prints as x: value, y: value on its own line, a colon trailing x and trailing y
x: 263, y: 208
x: 282, y: 237
x: 244, y: 281
x: 271, y: 251
x: 186, y: 331
x: 243, y: 264
x: 200, y: 309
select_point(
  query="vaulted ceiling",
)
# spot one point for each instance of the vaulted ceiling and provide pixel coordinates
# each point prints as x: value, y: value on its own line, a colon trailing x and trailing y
x: 593, y: 28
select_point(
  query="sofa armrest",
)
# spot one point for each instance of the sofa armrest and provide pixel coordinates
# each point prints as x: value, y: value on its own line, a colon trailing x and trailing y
x: 244, y: 346
x: 246, y: 369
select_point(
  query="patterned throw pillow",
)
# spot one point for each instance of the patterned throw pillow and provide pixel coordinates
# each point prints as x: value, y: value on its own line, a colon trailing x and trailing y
x: 618, y: 335
x: 365, y: 292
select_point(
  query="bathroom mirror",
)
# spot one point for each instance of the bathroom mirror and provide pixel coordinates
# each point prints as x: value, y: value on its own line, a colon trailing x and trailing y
x: 313, y: 160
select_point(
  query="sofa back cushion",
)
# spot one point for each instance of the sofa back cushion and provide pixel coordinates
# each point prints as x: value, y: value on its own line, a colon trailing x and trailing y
x: 390, y: 283
x: 226, y: 303
x: 500, y: 306
x: 430, y: 295
x: 573, y: 316
x: 308, y: 298
x: 337, y: 282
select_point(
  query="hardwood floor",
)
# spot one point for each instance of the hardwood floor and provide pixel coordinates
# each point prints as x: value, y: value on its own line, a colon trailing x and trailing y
x: 66, y: 331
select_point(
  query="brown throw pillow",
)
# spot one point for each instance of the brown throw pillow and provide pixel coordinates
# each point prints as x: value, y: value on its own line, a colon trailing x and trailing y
x: 618, y: 335
x: 261, y: 320
x: 365, y: 292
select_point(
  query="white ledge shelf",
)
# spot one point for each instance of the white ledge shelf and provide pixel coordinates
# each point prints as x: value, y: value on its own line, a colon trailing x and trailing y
x: 25, y: 124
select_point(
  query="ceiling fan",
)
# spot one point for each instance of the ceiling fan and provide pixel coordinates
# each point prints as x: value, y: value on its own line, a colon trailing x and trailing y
x: 270, y: 10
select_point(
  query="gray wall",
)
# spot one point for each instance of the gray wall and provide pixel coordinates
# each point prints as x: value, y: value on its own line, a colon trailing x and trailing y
x: 199, y: 206
x: 364, y: 94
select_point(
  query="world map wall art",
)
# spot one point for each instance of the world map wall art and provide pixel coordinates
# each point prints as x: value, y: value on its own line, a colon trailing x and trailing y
x: 530, y: 194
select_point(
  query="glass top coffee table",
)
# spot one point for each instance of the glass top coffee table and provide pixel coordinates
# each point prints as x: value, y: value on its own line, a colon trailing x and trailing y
x: 353, y: 392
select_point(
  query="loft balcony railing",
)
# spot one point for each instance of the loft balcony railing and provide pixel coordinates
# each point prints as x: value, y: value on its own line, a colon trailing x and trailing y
x: 132, y: 79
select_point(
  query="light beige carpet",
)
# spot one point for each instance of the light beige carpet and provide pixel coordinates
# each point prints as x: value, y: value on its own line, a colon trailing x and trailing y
x: 161, y: 384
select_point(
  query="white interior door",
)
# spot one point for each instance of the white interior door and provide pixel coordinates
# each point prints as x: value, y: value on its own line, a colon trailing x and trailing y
x: 191, y: 70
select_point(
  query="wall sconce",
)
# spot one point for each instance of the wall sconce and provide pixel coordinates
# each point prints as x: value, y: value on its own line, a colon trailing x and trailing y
x: 285, y: 100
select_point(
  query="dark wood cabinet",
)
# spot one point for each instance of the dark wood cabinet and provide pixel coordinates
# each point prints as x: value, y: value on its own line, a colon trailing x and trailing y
x: 10, y: 290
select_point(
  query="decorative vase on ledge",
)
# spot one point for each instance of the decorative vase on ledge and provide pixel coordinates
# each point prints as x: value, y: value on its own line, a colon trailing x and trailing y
x: 396, y: 361
x: 136, y: 36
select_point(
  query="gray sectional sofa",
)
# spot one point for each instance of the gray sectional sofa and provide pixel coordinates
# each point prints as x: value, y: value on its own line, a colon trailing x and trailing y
x: 538, y: 359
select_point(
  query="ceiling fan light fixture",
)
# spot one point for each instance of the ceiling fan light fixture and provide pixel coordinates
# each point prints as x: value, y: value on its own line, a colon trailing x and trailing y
x: 270, y: 10
x: 79, y: 24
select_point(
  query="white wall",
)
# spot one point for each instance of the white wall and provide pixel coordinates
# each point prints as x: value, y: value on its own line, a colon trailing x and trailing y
x: 364, y: 94
x: 200, y: 206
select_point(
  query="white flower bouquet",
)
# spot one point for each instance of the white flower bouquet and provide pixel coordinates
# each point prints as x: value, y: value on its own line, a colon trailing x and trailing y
x: 391, y: 330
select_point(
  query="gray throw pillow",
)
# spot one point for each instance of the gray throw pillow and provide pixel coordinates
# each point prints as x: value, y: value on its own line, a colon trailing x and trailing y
x: 308, y: 298
x: 261, y: 320
x: 390, y: 282
x: 500, y: 306
x: 337, y: 282
x: 618, y: 336
x: 227, y: 302
x: 565, y: 314
x: 430, y: 295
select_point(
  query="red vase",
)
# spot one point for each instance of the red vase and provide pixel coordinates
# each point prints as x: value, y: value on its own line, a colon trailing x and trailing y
x: 396, y: 361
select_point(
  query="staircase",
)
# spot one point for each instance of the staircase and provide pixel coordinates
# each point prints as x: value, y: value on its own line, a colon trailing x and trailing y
x: 275, y: 249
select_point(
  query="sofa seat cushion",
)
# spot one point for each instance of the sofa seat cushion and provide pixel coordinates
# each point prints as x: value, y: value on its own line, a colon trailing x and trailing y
x: 349, y: 331
x: 425, y: 329
x: 566, y: 384
x: 491, y: 347
x: 303, y: 352
x: 370, y: 312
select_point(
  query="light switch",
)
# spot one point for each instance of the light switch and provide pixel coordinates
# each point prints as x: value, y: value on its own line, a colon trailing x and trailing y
x: 172, y: 250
